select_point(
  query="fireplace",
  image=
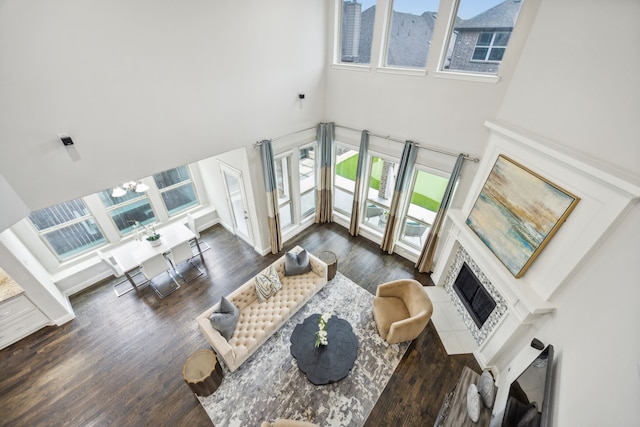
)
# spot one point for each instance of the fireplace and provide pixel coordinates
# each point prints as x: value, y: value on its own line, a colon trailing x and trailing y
x: 479, y: 303
x: 475, y: 298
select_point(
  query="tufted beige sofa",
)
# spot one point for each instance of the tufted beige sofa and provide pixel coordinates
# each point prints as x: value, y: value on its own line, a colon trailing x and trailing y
x: 258, y: 321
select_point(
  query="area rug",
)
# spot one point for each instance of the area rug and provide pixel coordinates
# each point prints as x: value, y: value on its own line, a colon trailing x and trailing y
x: 269, y: 385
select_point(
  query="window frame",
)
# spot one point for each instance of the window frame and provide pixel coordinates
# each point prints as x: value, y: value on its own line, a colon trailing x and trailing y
x: 132, y: 229
x: 351, y: 147
x: 377, y: 229
x: 515, y: 43
x: 312, y: 189
x: 383, y: 65
x: 337, y: 48
x: 184, y: 183
x: 288, y: 155
x: 58, y: 227
x: 490, y: 47
x: 405, y: 216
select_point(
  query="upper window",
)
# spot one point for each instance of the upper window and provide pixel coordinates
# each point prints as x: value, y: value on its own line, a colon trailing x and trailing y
x: 356, y: 31
x: 480, y: 35
x: 176, y: 188
x: 68, y: 228
x: 410, y: 31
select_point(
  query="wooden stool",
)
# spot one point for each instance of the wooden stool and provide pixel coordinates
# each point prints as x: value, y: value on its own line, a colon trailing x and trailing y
x: 202, y: 372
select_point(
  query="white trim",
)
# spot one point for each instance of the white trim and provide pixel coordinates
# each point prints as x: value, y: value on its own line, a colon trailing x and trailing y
x: 472, y: 77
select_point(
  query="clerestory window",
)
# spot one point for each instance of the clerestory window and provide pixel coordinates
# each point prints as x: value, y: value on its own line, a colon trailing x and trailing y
x: 356, y: 31
x: 479, y: 35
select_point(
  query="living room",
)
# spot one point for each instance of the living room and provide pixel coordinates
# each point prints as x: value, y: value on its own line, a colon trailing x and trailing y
x: 140, y: 87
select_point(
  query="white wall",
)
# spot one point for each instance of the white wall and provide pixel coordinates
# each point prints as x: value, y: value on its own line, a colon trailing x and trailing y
x: 576, y: 84
x: 143, y: 86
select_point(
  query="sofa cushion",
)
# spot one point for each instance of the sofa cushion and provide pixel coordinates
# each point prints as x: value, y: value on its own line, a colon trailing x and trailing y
x: 225, y: 318
x: 296, y: 263
x: 267, y: 284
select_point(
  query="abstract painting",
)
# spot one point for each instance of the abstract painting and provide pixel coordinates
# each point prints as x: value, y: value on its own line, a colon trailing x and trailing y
x: 517, y: 213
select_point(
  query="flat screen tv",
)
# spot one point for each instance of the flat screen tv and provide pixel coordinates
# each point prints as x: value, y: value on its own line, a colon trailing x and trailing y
x: 530, y: 395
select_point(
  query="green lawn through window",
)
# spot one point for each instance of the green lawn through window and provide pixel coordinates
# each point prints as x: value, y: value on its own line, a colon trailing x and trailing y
x: 428, y: 190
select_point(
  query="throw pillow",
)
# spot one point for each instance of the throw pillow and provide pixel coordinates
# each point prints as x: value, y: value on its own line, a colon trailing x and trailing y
x: 473, y: 403
x: 225, y: 318
x: 486, y: 389
x: 295, y: 264
x: 267, y: 284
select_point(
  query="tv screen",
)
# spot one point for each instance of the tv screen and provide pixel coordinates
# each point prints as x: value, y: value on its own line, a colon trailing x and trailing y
x: 529, y: 401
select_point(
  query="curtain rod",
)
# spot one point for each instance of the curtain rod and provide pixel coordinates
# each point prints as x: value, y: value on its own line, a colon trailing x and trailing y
x: 437, y: 150
x: 259, y: 143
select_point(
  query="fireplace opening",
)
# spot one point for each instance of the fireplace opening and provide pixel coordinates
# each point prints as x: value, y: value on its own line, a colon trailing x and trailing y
x: 473, y: 295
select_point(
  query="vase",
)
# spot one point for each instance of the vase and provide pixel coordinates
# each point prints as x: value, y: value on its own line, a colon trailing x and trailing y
x: 156, y: 242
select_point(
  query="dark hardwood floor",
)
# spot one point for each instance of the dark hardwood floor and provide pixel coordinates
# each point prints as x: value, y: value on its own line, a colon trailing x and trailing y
x: 119, y: 362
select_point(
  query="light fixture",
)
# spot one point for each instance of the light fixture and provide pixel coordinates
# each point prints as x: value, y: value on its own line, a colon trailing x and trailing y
x: 137, y: 186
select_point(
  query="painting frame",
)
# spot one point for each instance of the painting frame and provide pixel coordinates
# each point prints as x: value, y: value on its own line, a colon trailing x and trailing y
x: 517, y: 212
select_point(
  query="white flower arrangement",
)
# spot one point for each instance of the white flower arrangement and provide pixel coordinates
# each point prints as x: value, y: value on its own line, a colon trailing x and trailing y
x: 321, y: 335
x: 149, y: 233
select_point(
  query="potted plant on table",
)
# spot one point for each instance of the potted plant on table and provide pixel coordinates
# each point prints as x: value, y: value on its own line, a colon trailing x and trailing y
x: 150, y: 234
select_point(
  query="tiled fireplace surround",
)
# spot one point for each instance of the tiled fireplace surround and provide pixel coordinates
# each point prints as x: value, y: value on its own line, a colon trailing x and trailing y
x: 526, y: 304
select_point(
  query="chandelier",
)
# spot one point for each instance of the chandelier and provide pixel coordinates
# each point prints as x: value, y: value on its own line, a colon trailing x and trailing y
x: 135, y: 186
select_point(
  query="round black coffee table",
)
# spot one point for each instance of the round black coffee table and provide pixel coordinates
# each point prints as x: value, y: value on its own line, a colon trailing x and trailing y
x: 325, y: 364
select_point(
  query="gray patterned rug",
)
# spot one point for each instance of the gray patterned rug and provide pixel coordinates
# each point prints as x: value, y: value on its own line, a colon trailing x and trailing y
x: 269, y: 384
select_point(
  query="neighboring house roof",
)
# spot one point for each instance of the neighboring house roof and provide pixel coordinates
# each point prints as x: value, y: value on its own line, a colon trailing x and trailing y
x: 503, y: 15
x: 409, y: 38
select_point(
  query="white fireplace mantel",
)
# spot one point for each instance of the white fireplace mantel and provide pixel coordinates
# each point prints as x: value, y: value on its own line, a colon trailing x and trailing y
x: 605, y: 197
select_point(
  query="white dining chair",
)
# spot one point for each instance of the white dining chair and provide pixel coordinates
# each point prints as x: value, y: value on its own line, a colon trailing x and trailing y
x: 117, y: 270
x: 154, y: 267
x: 179, y: 254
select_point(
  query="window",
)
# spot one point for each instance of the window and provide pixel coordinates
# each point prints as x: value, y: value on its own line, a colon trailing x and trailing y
x: 410, y: 31
x: 382, y: 178
x: 479, y: 38
x: 345, y: 179
x: 126, y: 210
x: 68, y: 228
x: 285, y: 206
x: 176, y: 188
x: 426, y: 192
x: 356, y: 31
x: 307, y: 174
x: 491, y: 46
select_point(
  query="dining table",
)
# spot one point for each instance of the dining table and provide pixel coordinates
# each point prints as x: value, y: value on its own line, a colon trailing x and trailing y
x: 131, y: 254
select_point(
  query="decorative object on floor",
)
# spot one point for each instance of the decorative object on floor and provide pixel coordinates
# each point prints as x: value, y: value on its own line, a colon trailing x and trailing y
x: 269, y: 385
x: 487, y: 389
x: 202, y: 372
x: 331, y: 260
x: 473, y: 403
x: 327, y: 363
x: 517, y: 212
x: 455, y: 410
x: 401, y: 309
x: 321, y: 334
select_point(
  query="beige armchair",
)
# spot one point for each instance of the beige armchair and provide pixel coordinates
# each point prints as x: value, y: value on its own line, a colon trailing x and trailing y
x: 280, y: 422
x: 401, y: 309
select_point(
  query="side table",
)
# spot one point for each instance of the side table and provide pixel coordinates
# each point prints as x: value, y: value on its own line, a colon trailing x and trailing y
x: 331, y: 260
x: 202, y: 372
